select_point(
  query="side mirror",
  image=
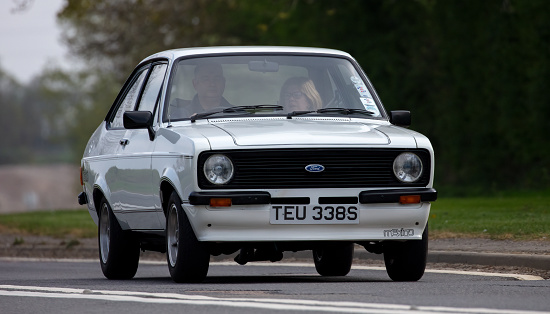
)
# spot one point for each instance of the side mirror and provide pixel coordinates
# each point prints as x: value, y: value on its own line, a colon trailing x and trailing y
x: 139, y: 120
x: 400, y: 118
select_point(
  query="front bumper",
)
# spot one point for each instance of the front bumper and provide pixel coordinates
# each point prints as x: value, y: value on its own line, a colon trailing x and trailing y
x: 381, y: 217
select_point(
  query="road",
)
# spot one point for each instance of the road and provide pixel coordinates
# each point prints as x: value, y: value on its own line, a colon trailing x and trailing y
x: 48, y: 286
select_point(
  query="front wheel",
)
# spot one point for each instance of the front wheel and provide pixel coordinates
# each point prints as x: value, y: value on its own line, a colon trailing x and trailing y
x: 406, y: 261
x: 188, y: 259
x: 118, y: 249
x: 333, y: 259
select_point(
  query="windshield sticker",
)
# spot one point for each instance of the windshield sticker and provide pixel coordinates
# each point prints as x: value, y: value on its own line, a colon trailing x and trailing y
x: 369, y: 105
x: 360, y: 86
x: 362, y: 89
x: 367, y: 101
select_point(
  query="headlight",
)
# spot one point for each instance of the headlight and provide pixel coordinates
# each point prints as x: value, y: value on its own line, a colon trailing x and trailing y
x: 218, y: 169
x: 407, y: 167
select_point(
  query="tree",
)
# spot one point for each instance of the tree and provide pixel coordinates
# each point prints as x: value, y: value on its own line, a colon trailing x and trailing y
x: 116, y: 35
x: 79, y: 102
x: 25, y: 123
x: 474, y: 73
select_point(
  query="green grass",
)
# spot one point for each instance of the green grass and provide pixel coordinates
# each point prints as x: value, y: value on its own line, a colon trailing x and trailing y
x: 59, y: 223
x: 516, y: 217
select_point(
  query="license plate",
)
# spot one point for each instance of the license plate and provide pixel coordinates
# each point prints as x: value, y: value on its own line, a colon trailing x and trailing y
x: 313, y: 214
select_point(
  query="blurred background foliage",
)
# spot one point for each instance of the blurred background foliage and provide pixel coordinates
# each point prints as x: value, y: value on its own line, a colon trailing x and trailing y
x: 475, y: 74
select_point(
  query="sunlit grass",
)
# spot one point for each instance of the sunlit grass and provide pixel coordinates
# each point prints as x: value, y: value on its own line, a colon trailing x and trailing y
x: 506, y: 217
x: 58, y: 223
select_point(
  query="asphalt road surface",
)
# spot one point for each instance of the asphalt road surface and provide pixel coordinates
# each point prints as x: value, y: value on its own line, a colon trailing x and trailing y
x: 48, y: 286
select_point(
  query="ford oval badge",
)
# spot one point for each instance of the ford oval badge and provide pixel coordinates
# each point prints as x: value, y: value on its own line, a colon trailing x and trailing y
x: 315, y: 168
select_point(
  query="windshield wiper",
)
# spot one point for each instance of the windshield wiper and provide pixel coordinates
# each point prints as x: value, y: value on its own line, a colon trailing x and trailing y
x: 207, y: 114
x: 246, y: 109
x: 297, y: 113
x: 260, y: 107
x: 345, y: 111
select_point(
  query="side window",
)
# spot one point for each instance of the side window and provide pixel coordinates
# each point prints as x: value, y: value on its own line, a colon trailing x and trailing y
x: 152, y: 88
x: 129, y: 101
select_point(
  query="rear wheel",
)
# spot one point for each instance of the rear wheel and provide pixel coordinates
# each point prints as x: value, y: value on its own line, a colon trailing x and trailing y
x: 188, y: 259
x: 333, y: 259
x: 406, y: 261
x: 118, y: 249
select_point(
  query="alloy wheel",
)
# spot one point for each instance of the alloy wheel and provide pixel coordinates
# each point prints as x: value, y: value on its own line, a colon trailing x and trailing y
x: 104, y: 233
x: 172, y: 236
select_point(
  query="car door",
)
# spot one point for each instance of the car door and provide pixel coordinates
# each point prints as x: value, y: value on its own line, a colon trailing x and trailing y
x: 129, y: 175
x: 138, y: 196
x: 115, y: 176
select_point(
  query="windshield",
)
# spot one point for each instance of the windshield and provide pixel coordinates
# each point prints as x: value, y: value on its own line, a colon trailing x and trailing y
x: 267, y: 85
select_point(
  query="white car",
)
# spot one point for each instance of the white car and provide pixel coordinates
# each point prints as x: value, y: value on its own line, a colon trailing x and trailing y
x: 260, y: 151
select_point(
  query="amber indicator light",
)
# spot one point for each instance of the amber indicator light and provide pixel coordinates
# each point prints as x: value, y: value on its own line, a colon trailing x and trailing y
x: 220, y: 202
x: 409, y: 199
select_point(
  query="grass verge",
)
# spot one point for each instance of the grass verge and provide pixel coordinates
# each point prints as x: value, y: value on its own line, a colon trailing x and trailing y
x: 521, y: 217
x: 58, y: 223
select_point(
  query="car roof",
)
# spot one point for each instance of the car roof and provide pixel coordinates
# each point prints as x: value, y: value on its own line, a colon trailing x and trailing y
x: 183, y: 52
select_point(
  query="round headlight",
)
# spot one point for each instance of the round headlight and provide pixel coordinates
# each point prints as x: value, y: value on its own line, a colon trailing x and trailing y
x: 407, y: 167
x: 218, y: 169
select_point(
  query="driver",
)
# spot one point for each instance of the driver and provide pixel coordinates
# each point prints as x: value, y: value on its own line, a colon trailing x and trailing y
x: 209, y: 83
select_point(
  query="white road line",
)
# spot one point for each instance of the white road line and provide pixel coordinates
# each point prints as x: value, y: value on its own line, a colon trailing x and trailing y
x: 270, y: 304
x: 435, y: 271
x: 485, y: 274
x: 268, y: 264
x: 48, y: 259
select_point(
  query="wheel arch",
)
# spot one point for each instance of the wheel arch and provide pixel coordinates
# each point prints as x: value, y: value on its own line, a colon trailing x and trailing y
x: 166, y: 189
x: 100, y: 189
x: 97, y: 195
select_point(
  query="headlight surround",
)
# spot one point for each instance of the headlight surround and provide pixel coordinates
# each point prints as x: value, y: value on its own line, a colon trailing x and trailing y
x: 218, y: 169
x: 407, y: 167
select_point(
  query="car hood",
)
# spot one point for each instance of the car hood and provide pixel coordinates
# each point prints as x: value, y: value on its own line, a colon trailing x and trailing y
x: 304, y: 131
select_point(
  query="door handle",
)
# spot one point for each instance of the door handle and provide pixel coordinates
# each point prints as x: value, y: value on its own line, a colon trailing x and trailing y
x: 124, y: 142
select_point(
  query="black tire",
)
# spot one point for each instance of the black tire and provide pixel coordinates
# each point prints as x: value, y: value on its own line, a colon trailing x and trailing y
x: 118, y: 249
x: 188, y: 259
x: 333, y: 259
x: 406, y: 261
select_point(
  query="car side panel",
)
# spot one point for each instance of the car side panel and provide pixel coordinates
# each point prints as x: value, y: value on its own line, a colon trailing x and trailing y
x: 99, y: 159
x: 123, y: 174
x: 131, y: 188
x: 174, y: 162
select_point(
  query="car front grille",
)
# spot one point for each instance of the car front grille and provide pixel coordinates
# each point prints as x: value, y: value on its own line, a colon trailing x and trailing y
x: 285, y: 168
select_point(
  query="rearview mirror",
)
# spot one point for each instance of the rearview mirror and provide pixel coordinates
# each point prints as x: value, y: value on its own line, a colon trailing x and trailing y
x: 263, y: 66
x: 139, y: 120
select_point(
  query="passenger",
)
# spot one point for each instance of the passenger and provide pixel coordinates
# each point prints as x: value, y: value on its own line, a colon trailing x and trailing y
x: 299, y: 94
